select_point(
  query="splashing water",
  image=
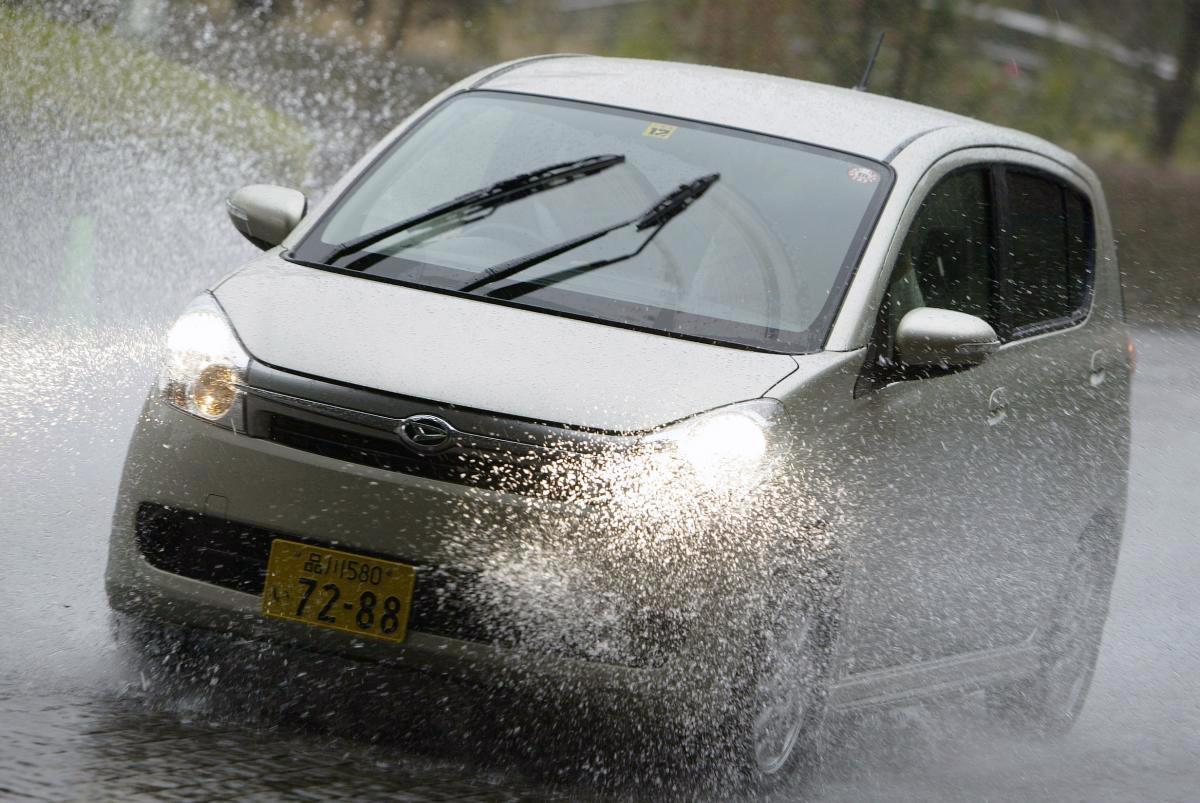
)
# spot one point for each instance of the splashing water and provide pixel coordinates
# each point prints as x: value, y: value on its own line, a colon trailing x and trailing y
x: 119, y: 150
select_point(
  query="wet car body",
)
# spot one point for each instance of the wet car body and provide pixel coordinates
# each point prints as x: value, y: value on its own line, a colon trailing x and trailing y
x: 928, y: 517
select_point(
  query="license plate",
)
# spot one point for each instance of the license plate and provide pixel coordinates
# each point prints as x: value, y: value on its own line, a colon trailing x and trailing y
x: 338, y: 590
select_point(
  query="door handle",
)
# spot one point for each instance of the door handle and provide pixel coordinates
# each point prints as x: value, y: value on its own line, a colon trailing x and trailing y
x: 1098, y: 372
x: 997, y: 406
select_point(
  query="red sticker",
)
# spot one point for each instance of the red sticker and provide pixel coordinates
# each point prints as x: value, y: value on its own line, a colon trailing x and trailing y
x: 863, y: 175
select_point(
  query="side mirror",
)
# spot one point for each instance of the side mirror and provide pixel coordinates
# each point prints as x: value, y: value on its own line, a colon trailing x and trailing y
x: 265, y: 214
x: 928, y: 337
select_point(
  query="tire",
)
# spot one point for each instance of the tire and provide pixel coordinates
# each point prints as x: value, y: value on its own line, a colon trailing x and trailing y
x: 155, y: 655
x: 1048, y: 702
x: 775, y: 736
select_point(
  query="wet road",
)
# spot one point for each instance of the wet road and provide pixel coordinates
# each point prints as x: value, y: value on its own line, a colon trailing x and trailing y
x: 97, y: 747
x: 77, y: 726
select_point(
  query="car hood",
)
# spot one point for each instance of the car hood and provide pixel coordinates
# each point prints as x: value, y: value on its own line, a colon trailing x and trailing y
x: 480, y: 355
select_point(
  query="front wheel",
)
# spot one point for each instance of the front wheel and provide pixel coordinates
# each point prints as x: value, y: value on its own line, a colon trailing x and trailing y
x: 1049, y: 701
x: 147, y: 651
x: 774, y: 734
x: 787, y: 705
x: 162, y: 658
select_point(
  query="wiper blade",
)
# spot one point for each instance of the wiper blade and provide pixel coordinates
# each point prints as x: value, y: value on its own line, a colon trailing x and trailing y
x: 662, y: 212
x: 676, y: 201
x: 489, y: 198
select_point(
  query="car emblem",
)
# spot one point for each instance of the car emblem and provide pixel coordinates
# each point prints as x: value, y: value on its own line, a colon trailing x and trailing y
x: 426, y: 434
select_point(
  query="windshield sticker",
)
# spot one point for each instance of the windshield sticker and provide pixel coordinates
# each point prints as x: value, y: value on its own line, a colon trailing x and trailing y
x: 863, y: 175
x: 659, y: 131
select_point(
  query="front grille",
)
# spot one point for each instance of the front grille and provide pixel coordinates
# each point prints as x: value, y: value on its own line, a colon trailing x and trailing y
x: 486, y: 450
x: 234, y: 556
x: 548, y: 469
x: 390, y: 454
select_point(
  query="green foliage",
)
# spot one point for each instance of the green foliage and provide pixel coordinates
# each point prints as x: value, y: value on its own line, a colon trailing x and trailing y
x: 649, y: 32
x: 945, y: 54
x: 1152, y: 209
x: 97, y: 85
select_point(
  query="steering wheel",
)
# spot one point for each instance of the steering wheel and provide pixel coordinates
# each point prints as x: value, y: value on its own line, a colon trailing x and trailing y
x: 770, y: 287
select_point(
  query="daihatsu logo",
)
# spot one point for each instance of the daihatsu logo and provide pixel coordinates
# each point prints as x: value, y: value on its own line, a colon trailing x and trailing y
x: 427, y: 434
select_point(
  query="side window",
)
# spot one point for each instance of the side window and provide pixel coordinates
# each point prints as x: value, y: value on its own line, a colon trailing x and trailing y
x: 1081, y: 251
x: 1047, y: 273
x: 947, y: 257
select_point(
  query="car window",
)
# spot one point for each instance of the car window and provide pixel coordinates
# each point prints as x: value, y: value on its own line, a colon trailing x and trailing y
x: 947, y: 257
x: 760, y: 260
x: 1049, y: 253
x: 1080, y: 251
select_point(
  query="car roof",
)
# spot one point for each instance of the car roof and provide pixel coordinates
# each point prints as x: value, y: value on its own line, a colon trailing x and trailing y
x: 856, y: 122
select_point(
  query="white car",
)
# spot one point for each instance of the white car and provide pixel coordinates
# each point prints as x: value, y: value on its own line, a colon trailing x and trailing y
x: 717, y: 398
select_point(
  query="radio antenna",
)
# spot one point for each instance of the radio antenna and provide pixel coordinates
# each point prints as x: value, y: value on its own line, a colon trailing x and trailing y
x: 861, y: 86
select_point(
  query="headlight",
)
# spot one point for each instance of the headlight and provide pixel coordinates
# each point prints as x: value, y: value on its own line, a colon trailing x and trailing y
x: 727, y: 447
x: 205, y: 365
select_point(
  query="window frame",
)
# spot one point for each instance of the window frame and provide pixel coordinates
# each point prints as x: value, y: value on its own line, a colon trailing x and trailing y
x: 1011, y: 334
x: 876, y: 374
x: 989, y: 172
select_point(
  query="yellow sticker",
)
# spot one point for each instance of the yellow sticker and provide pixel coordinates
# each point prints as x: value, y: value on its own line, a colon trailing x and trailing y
x: 659, y: 131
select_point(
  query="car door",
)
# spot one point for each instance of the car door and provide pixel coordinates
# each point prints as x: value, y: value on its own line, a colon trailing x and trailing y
x: 939, y: 569
x: 1060, y: 402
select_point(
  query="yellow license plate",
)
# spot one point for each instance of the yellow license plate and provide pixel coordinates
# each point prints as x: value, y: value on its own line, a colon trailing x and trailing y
x: 338, y: 590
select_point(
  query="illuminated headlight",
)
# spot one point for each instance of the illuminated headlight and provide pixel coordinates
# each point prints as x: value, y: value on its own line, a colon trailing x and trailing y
x: 730, y: 446
x: 205, y: 365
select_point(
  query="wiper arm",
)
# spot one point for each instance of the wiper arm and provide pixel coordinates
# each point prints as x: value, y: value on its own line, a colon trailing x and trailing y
x: 488, y: 198
x: 662, y: 212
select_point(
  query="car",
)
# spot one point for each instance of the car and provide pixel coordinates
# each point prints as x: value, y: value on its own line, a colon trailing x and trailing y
x: 728, y: 400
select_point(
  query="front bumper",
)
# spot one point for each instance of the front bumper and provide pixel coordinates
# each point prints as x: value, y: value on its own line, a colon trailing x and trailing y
x: 624, y: 636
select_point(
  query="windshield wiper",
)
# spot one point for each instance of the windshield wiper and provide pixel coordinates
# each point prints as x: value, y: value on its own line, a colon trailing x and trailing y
x: 662, y: 212
x: 487, y: 199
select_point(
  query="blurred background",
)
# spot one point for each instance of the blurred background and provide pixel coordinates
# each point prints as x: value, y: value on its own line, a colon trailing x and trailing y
x: 314, y: 82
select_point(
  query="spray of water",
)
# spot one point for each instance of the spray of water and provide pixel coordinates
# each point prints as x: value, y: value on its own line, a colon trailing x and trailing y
x: 121, y: 141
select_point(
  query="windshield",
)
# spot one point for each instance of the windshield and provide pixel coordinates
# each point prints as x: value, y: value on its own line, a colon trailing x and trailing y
x: 759, y: 260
